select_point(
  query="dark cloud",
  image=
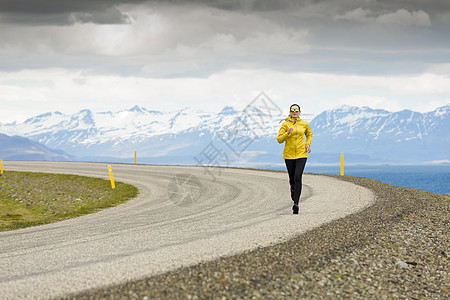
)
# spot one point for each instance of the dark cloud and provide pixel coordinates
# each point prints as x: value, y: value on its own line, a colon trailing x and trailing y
x: 431, y: 6
x: 199, y: 37
x: 65, y: 12
x: 62, y: 12
x: 273, y: 5
x: 53, y: 11
x: 248, y: 5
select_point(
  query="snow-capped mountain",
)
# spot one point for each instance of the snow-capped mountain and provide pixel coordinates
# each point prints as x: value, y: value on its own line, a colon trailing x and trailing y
x: 19, y: 148
x: 393, y: 136
x: 169, y: 137
x: 244, y: 137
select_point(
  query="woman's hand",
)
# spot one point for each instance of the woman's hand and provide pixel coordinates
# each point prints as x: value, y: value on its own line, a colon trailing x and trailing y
x: 308, y: 148
x: 290, y: 130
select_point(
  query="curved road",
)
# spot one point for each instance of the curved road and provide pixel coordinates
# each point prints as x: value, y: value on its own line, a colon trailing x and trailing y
x: 182, y: 216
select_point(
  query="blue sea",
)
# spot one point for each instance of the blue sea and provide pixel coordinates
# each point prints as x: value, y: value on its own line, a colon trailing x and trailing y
x: 430, y: 178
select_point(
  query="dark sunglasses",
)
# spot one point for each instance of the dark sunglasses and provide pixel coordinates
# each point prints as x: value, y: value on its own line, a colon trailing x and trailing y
x: 295, y: 110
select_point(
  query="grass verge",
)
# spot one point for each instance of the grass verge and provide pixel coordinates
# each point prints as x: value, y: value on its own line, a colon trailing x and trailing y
x: 29, y: 199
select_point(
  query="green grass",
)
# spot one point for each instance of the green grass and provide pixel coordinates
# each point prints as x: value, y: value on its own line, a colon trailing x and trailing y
x: 29, y: 199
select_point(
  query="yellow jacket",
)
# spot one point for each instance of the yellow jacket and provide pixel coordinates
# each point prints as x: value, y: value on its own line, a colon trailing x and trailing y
x: 295, y: 146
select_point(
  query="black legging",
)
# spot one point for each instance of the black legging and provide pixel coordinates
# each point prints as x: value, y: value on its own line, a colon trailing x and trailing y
x: 295, y: 169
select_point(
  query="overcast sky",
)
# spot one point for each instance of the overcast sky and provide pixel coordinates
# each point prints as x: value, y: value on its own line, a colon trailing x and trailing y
x: 109, y: 55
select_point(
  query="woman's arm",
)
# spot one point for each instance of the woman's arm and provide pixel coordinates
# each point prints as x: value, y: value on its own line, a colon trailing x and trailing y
x: 282, y: 134
x: 309, y: 135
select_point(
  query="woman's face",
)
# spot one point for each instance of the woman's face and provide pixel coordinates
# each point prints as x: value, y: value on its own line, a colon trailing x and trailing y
x: 295, y: 111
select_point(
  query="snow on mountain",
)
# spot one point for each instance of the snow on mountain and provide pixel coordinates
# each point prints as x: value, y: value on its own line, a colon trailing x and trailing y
x: 243, y: 135
x: 398, y: 136
x: 152, y: 133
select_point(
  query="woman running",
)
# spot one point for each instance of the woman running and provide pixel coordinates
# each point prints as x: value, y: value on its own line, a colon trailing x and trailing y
x: 296, y: 149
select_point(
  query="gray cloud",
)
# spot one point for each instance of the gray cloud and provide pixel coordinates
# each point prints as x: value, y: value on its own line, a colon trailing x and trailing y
x: 197, y: 38
x: 57, y: 12
x: 62, y: 12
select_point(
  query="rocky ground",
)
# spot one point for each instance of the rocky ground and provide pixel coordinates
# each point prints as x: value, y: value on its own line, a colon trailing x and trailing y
x: 398, y: 248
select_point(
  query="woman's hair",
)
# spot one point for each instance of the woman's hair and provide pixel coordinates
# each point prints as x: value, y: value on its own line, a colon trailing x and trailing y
x: 294, y: 105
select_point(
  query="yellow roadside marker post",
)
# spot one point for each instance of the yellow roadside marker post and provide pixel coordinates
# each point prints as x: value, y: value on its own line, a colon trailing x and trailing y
x: 113, y: 185
x: 1, y: 163
x: 135, y: 157
x: 342, y: 164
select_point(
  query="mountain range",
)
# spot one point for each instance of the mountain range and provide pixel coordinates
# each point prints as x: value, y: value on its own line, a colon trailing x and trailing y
x: 404, y: 136
x: 238, y: 137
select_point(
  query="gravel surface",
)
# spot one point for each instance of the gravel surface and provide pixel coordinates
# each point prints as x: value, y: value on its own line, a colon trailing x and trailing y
x: 397, y: 248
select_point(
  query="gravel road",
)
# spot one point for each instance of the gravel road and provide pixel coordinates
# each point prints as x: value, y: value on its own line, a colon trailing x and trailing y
x: 181, y: 217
